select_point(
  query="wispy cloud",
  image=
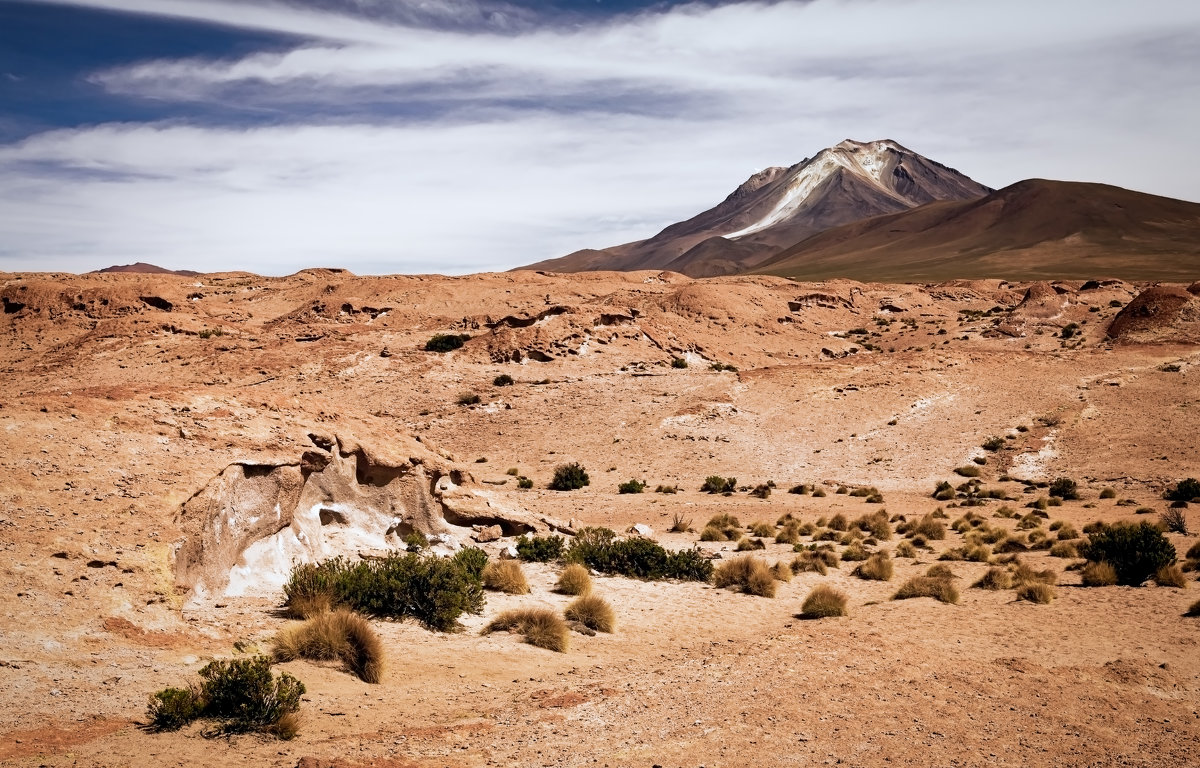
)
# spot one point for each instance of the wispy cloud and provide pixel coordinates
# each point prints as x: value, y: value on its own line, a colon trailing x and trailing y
x: 456, y: 136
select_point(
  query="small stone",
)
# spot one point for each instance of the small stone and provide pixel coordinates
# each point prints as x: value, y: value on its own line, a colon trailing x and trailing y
x: 490, y: 533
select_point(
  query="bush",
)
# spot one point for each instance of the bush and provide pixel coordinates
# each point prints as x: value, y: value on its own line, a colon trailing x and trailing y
x: 761, y: 491
x: 540, y: 626
x: 446, y: 342
x: 781, y: 571
x: 906, y: 549
x: 749, y: 574
x: 1064, y: 488
x: 877, y: 567
x: 340, y: 635
x: 818, y: 493
x: 432, y: 589
x: 1036, y: 592
x: 995, y: 579
x: 824, y: 602
x: 839, y: 522
x: 929, y: 527
x: 854, y: 552
x: 944, y: 491
x: 524, y: 482
x: 172, y: 708
x: 1136, y: 552
x: 967, y: 471
x: 1108, y: 493
x: 809, y: 562
x: 1184, y: 490
x: 1170, y: 576
x: 671, y: 489
x: 1175, y: 521
x: 678, y: 362
x: 679, y: 523
x: 469, y: 398
x: 569, y: 477
x: 762, y: 529
x: 749, y: 545
x: 718, y: 484
x: 939, y: 588
x: 592, y: 612
x: 505, y: 576
x: 631, y: 486
x: 503, y: 380
x: 1193, y: 552
x: 1064, y: 549
x: 574, y: 580
x: 993, y: 443
x: 539, y: 549
x: 241, y: 694
x: 600, y: 550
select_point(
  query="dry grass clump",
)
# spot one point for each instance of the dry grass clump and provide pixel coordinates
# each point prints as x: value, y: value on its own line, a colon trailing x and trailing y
x: 995, y: 579
x: 854, y: 552
x: 939, y: 588
x: 762, y: 529
x: 875, y: 524
x: 1010, y: 544
x: 1024, y: 574
x: 574, y: 580
x: 505, y: 576
x: 1099, y: 575
x: 878, y: 567
x: 1036, y: 592
x: 781, y: 571
x: 839, y: 522
x: 1064, y: 549
x: 342, y: 635
x: 1194, y: 610
x: 593, y: 612
x: 305, y: 605
x: 824, y: 602
x: 540, y: 626
x: 789, y: 534
x: 750, y: 545
x: 749, y: 574
x: 1170, y: 576
x: 723, y: 527
x: 1193, y: 552
x: 906, y: 549
x: 940, y: 571
x: 679, y: 523
x: 928, y: 526
x: 809, y: 562
x: 1066, y: 532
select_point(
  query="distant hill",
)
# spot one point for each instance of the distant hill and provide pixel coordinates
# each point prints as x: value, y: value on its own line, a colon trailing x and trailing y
x: 1034, y: 229
x: 142, y: 267
x: 778, y: 207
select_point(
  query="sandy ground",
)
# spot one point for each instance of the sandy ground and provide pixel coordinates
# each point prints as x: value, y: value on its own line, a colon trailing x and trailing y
x: 114, y: 411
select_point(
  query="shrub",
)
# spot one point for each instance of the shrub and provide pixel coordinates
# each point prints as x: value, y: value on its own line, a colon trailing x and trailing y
x: 940, y: 571
x: 1036, y: 592
x: 1170, y: 576
x: 906, y: 549
x: 469, y: 398
x: 574, y: 580
x: 342, y: 635
x: 1064, y: 549
x: 1024, y: 574
x: 818, y: 493
x: 789, y: 534
x: 434, y: 590
x: 172, y: 708
x: 1064, y: 488
x: 539, y: 626
x: 416, y: 541
x: 243, y: 696
x: 505, y: 576
x: 854, y: 552
x: 600, y: 550
x: 539, y: 549
x: 592, y: 612
x: 713, y: 533
x: 748, y: 574
x: 781, y: 571
x: 995, y: 579
x: 1175, y: 521
x: 762, y: 529
x: 569, y: 477
x: 749, y: 545
x: 670, y: 489
x: 993, y: 443
x: 680, y: 524
x: 1184, y: 490
x: 824, y: 602
x: 941, y: 589
x: 1066, y: 531
x: 1193, y: 552
x: 877, y: 567
x: 1069, y: 330
x: 1108, y: 493
x: 967, y: 471
x: 809, y: 562
x: 929, y: 527
x: 718, y: 484
x: 631, y: 486
x: 503, y: 380
x: 678, y: 362
x: 1136, y: 552
x: 944, y: 491
x: 799, y: 489
x: 762, y: 491
x: 839, y: 522
x: 446, y: 342
x: 524, y: 482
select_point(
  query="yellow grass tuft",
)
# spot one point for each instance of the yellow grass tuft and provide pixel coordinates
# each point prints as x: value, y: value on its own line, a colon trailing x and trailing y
x: 995, y: 579
x: 593, y: 612
x: 939, y: 588
x: 878, y: 567
x: 781, y: 571
x: 1036, y: 592
x: 505, y: 576
x: 823, y: 602
x: 1170, y: 576
x: 1099, y: 575
x: 574, y: 580
x: 340, y: 634
x: 751, y: 575
x: 540, y: 626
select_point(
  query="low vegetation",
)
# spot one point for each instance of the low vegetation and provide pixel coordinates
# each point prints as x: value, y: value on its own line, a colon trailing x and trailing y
x: 995, y: 579
x: 631, y: 486
x: 574, y: 580
x: 877, y: 567
x: 505, y: 576
x: 1135, y: 551
x: 940, y: 588
x: 1170, y: 576
x: 592, y: 612
x: 718, y: 484
x: 824, y: 602
x: 238, y: 695
x: 1036, y: 592
x: 446, y: 342
x: 539, y: 549
x: 640, y: 558
x: 539, y: 626
x: 1184, y: 490
x: 569, y: 477
x: 340, y: 635
x: 747, y: 574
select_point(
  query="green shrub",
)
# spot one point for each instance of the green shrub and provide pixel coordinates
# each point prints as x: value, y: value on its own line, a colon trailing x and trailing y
x: 503, y: 380
x: 446, y: 342
x: 600, y: 550
x: 824, y: 602
x: 416, y: 541
x: 1064, y: 488
x: 172, y: 708
x: 718, y: 484
x: 1184, y: 490
x: 569, y: 477
x: 524, y: 482
x: 540, y: 549
x: 244, y: 696
x: 1135, y: 552
x: 432, y: 589
x: 678, y: 362
x: 631, y: 486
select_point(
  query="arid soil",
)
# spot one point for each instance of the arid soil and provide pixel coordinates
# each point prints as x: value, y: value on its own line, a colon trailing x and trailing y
x: 125, y: 395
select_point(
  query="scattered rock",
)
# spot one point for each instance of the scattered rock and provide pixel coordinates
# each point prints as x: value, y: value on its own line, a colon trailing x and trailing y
x: 490, y: 533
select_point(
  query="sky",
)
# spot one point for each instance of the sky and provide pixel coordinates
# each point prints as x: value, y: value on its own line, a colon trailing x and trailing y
x: 457, y: 136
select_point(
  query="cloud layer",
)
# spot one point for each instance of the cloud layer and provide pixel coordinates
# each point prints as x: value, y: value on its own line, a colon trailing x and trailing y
x: 457, y: 136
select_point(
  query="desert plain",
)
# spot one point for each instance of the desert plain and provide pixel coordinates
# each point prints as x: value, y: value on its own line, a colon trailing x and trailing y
x: 136, y: 409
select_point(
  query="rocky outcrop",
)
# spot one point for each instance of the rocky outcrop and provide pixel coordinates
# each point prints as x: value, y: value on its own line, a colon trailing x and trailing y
x: 1165, y: 313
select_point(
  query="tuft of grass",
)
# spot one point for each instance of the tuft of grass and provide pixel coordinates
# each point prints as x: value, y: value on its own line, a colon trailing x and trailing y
x: 338, y: 635
x: 906, y: 549
x: 1036, y: 592
x: 574, y: 580
x: 680, y: 524
x: 713, y: 533
x: 1099, y: 575
x: 748, y: 574
x: 824, y: 602
x: 967, y: 471
x: 505, y: 576
x: 668, y: 489
x: 789, y: 533
x: 1108, y: 493
x: 1170, y: 576
x: 878, y: 567
x: 809, y: 562
x: 818, y: 493
x: 1024, y: 574
x: 1174, y: 520
x: 1064, y: 549
x: 593, y: 612
x: 940, y: 571
x: 540, y: 626
x: 762, y: 530
x: 749, y: 545
x: 995, y: 579
x: 1194, y: 610
x: 1193, y: 552
x: 781, y: 571
x: 854, y: 552
x: 941, y: 589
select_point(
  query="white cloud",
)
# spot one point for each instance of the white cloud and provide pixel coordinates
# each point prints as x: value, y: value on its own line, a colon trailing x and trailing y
x: 624, y: 126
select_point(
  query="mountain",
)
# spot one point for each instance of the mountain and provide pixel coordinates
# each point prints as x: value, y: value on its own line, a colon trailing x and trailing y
x: 778, y: 207
x: 1034, y: 229
x: 143, y: 268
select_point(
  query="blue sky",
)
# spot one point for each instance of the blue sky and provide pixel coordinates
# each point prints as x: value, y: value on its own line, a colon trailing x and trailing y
x: 456, y: 135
